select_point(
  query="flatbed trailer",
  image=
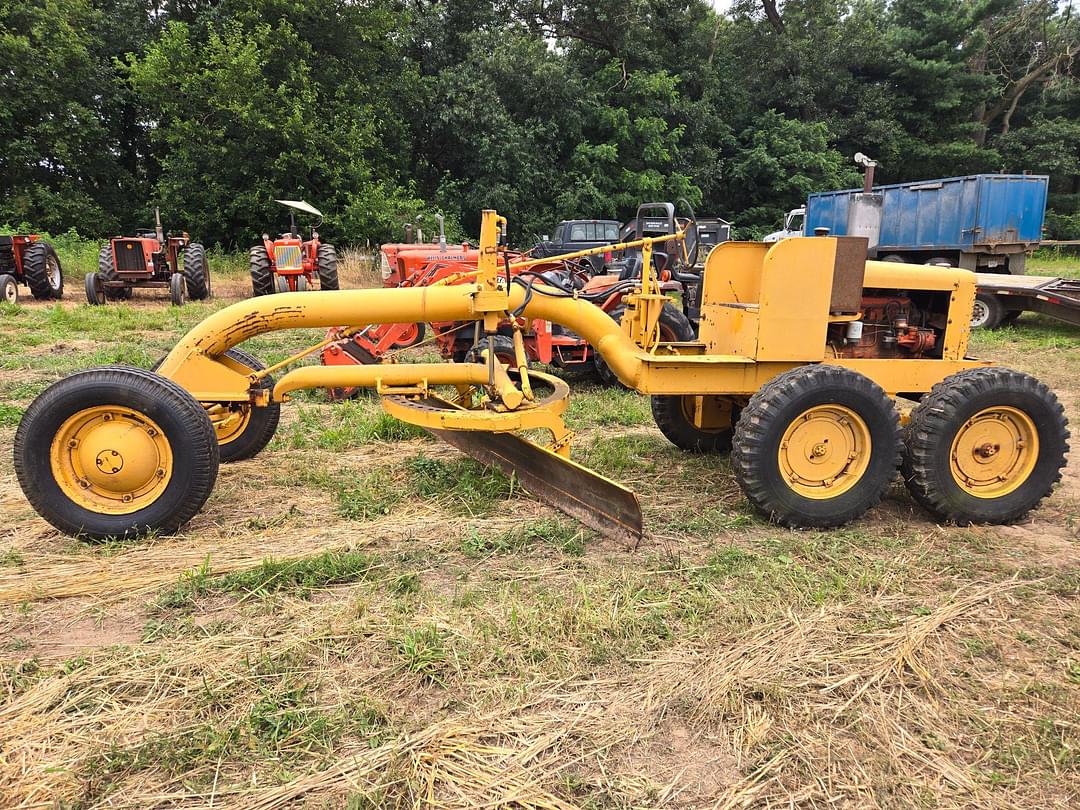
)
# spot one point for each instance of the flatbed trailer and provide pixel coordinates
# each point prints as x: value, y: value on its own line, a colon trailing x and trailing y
x: 1000, y: 299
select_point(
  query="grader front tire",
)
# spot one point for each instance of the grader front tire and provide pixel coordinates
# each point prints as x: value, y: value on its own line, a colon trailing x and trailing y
x: 985, y: 446
x: 242, y: 430
x: 116, y: 452
x: 817, y: 446
x: 252, y: 428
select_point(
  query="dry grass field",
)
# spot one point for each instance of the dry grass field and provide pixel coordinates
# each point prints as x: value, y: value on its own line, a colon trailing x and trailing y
x: 361, y: 618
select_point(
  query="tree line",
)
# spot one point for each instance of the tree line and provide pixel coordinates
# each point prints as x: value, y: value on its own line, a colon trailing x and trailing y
x: 382, y: 111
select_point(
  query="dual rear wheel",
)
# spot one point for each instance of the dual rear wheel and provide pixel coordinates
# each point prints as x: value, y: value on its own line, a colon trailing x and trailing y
x: 818, y: 446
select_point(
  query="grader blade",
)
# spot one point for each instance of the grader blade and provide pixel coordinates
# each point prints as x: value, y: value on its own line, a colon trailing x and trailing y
x: 598, y: 503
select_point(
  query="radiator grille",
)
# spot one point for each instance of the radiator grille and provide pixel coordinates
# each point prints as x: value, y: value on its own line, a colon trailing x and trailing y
x: 129, y: 255
x: 287, y: 257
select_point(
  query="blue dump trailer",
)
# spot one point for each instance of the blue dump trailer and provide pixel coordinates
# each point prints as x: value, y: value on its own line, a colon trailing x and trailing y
x: 982, y: 222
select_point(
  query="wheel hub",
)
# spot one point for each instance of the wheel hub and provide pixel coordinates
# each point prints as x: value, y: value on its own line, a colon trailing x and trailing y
x: 111, y: 459
x: 994, y: 452
x: 824, y: 451
x: 979, y: 314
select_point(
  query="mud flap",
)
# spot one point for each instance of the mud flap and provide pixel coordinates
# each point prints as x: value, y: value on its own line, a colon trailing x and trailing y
x: 600, y: 504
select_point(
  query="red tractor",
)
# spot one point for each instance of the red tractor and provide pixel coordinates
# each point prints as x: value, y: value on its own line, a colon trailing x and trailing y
x: 25, y: 259
x: 150, y: 260
x: 290, y: 264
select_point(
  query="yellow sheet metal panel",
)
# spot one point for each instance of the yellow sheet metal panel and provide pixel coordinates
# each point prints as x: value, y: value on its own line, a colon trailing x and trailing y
x: 900, y: 276
x: 958, y: 330
x: 796, y: 287
x: 731, y: 290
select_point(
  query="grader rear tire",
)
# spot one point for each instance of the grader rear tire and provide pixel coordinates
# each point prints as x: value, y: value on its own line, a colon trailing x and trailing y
x: 674, y: 415
x: 817, y: 446
x: 116, y: 452
x: 985, y: 446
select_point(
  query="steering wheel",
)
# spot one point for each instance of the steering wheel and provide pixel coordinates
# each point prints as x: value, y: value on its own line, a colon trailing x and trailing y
x: 691, y: 230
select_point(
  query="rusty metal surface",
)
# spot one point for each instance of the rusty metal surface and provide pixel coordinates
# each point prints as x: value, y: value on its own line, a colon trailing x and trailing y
x: 600, y: 504
x: 848, y: 272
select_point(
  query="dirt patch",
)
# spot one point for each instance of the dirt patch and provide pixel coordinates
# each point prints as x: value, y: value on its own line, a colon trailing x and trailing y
x: 64, y: 630
x: 689, y: 769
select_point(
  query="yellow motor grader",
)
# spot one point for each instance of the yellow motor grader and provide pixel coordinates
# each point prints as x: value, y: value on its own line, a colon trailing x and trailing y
x: 805, y: 349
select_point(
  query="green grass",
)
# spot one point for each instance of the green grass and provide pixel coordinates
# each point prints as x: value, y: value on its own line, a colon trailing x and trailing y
x: 347, y: 424
x: 299, y: 577
x: 422, y: 651
x: 600, y: 406
x: 562, y: 535
x: 1054, y: 262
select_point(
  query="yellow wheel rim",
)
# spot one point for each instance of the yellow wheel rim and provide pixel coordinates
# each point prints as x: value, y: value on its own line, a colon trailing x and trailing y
x: 825, y: 451
x: 716, y: 413
x: 111, y: 459
x: 229, y: 423
x: 994, y: 452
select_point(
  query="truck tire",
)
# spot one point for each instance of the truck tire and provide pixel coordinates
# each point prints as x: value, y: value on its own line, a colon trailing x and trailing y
x: 988, y: 312
x: 985, y: 446
x: 41, y: 268
x: 262, y: 276
x: 893, y: 257
x: 817, y: 446
x: 674, y: 328
x: 196, y: 272
x: 140, y: 421
x: 326, y: 259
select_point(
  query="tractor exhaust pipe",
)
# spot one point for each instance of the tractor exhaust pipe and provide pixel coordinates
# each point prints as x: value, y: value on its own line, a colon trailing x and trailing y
x: 157, y: 225
x: 442, y: 232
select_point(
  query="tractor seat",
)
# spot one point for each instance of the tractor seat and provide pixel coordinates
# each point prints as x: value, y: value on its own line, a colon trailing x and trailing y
x: 557, y: 278
x: 631, y: 266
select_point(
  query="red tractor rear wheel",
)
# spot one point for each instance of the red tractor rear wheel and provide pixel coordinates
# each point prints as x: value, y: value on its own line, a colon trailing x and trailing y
x: 262, y: 275
x: 107, y: 272
x: 42, y: 271
x: 196, y: 272
x: 327, y: 264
